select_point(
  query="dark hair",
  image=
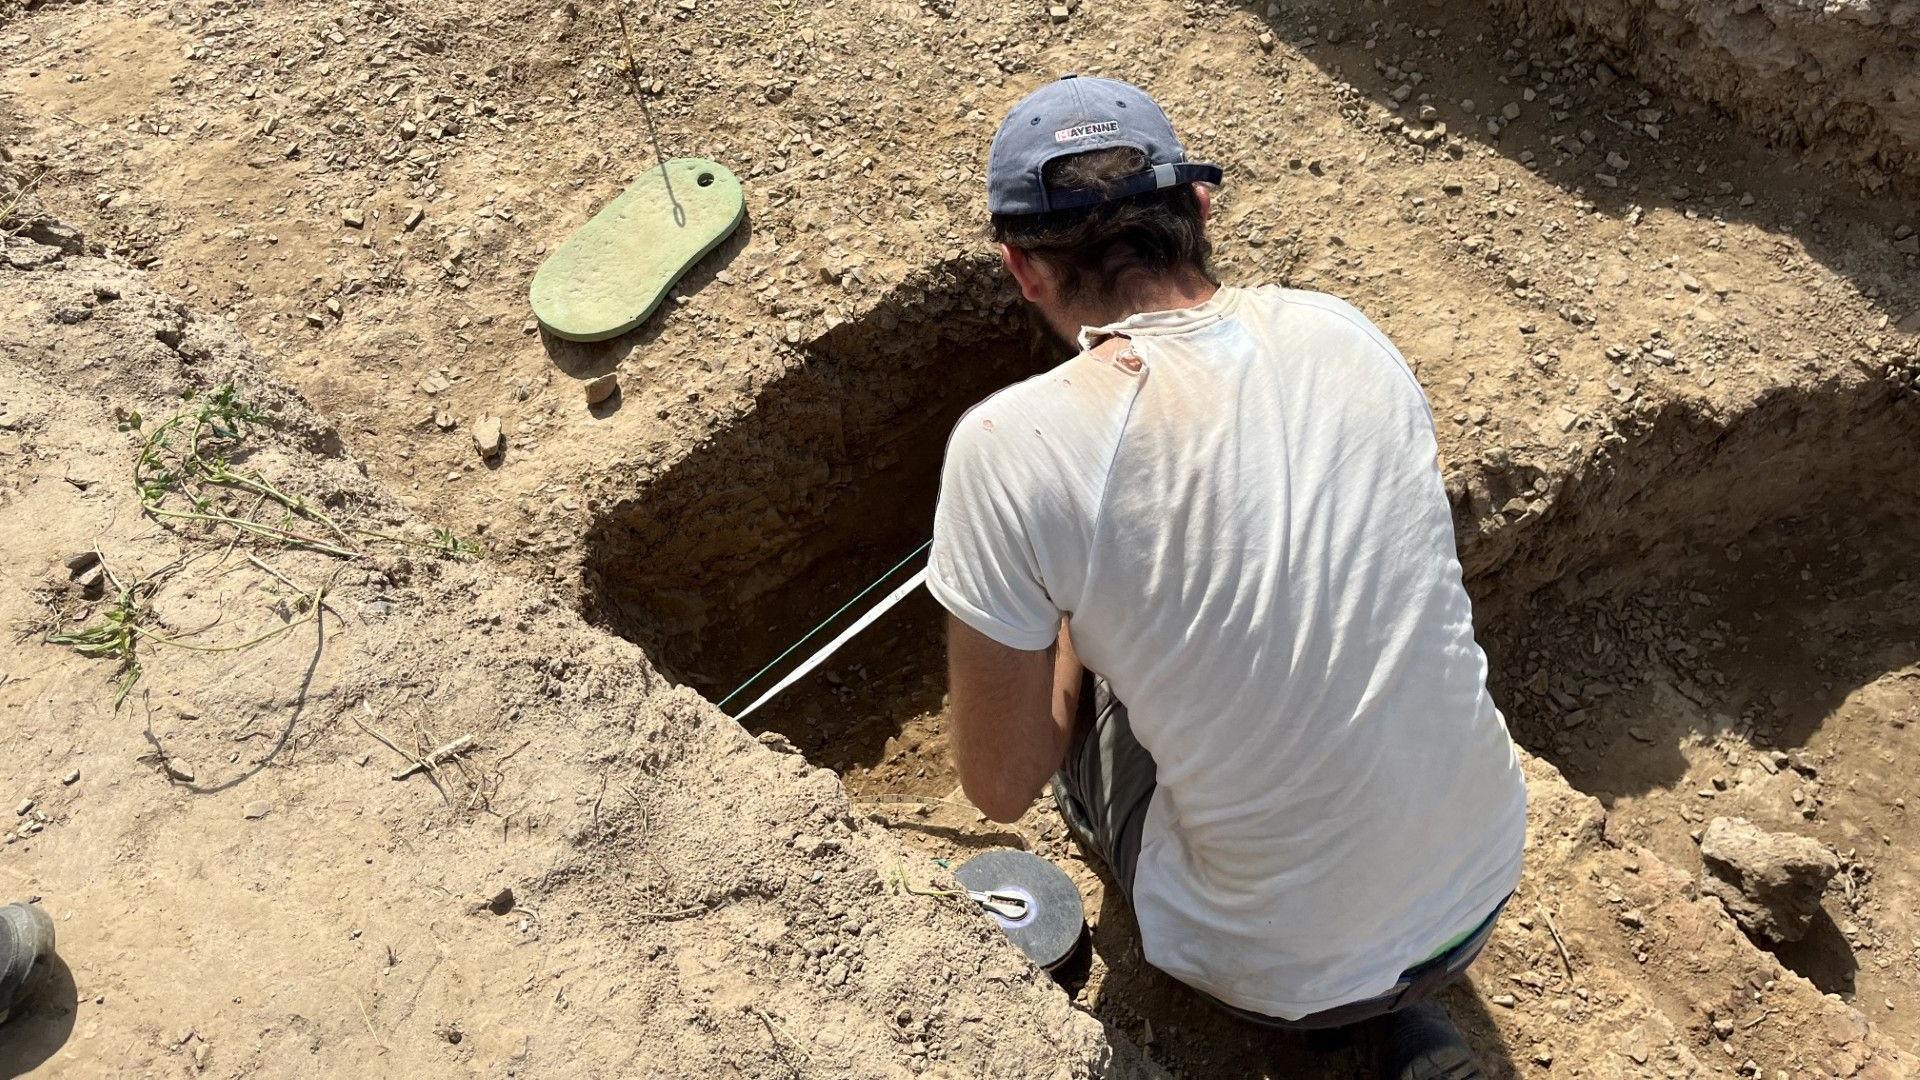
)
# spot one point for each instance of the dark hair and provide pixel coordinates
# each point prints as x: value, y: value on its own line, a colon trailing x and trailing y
x: 1104, y: 250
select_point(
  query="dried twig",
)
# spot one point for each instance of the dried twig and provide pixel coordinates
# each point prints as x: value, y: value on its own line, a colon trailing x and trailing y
x: 781, y: 1040
x: 391, y: 745
x: 1558, y: 941
x: 371, y: 1030
x: 605, y: 774
x: 437, y: 756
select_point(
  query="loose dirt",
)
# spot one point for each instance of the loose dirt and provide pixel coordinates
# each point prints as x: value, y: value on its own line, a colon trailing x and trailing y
x: 1673, y: 366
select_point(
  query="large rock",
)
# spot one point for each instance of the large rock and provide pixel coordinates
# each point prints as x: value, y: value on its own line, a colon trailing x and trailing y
x: 1770, y: 882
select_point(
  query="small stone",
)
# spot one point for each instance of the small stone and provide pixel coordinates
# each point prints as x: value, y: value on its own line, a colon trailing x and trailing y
x: 1505, y: 1001
x: 603, y: 388
x: 414, y: 217
x: 79, y: 563
x: 257, y: 810
x: 488, y: 439
x: 838, y: 976
x: 25, y: 806
x: 1511, y: 110
x: 1616, y: 161
x: 435, y: 383
x: 353, y: 217
x: 180, y: 770
x: 72, y: 777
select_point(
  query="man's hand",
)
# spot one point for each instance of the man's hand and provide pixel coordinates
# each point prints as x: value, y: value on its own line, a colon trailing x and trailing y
x: 1012, y: 713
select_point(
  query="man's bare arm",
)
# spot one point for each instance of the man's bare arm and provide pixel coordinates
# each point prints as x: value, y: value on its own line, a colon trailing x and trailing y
x: 1012, y: 712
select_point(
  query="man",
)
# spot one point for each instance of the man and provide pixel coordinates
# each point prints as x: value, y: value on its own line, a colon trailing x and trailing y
x: 1228, y: 507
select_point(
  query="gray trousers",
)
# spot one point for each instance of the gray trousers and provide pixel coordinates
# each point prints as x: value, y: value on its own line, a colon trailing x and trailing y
x: 1103, y: 791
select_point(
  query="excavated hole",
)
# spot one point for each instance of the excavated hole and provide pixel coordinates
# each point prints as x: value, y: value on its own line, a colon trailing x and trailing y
x: 729, y: 556
x: 1727, y: 623
x: 1665, y: 618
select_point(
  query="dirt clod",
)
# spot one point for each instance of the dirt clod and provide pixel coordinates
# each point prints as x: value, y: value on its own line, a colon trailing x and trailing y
x: 1770, y: 882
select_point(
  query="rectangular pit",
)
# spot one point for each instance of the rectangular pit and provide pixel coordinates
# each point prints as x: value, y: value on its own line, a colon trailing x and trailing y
x: 727, y: 557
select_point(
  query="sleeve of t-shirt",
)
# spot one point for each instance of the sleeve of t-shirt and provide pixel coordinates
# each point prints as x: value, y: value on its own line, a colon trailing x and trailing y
x: 983, y: 567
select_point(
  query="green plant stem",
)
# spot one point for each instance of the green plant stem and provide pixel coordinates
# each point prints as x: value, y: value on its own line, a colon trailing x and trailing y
x: 248, y: 644
x: 255, y: 527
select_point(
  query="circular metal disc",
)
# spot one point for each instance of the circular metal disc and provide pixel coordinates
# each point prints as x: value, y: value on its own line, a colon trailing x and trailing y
x: 1055, y: 915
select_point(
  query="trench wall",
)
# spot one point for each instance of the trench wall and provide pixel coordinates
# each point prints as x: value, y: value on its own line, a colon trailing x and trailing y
x: 836, y: 465
x: 1681, y: 471
x: 1841, y: 75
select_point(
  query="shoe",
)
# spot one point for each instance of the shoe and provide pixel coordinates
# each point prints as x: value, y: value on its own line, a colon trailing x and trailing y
x: 1421, y: 1043
x: 26, y: 940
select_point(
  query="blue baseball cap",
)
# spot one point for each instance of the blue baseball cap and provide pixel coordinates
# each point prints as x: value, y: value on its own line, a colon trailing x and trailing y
x: 1072, y: 116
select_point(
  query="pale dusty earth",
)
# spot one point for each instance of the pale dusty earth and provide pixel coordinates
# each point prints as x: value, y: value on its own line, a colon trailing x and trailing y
x: 1674, y: 367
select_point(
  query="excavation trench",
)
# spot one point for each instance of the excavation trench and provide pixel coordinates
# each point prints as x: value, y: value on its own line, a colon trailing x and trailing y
x: 1665, y: 618
x: 728, y: 557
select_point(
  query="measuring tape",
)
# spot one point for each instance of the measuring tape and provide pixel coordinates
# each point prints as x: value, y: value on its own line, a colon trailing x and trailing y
x: 891, y: 601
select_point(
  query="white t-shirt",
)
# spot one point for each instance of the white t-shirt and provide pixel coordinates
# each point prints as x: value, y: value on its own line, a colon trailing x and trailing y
x: 1244, y: 517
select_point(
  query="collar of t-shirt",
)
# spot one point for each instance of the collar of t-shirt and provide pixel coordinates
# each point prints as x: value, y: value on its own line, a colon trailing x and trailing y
x: 1177, y: 321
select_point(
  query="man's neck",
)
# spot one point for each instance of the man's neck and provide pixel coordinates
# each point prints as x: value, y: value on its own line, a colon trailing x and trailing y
x: 1161, y: 294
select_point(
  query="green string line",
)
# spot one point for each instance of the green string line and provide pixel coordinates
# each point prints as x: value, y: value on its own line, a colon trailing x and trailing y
x: 828, y: 621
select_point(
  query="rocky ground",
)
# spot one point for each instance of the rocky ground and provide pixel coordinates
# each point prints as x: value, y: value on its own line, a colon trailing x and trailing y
x: 1672, y: 364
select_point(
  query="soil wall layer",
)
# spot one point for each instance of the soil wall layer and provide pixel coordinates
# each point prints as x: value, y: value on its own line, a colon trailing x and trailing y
x: 1842, y: 75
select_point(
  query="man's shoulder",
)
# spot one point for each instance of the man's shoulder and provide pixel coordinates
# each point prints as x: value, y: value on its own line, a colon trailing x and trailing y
x: 1091, y: 386
x: 1298, y: 310
x: 1308, y: 304
x: 1073, y: 413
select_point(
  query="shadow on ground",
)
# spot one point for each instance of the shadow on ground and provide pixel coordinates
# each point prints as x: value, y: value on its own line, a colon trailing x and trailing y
x: 41, y: 1022
x: 1679, y: 155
